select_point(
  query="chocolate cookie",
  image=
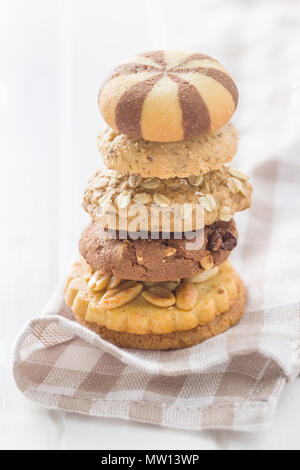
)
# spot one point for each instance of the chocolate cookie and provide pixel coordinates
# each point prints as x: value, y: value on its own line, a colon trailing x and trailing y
x: 167, y: 96
x: 168, y: 160
x: 157, y: 260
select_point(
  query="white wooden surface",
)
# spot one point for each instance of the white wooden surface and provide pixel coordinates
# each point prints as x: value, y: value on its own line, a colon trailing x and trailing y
x: 53, y: 54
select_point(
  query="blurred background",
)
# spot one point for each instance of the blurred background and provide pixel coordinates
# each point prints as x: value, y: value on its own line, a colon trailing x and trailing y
x: 53, y: 56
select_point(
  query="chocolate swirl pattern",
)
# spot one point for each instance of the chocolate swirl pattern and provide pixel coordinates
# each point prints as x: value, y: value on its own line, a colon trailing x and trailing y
x: 167, y: 96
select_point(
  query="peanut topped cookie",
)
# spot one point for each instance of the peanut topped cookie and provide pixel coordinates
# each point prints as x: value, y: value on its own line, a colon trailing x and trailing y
x: 156, y: 316
x: 168, y: 96
x: 171, y: 159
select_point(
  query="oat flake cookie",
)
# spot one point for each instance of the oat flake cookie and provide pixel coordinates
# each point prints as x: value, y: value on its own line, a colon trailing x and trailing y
x: 219, y: 193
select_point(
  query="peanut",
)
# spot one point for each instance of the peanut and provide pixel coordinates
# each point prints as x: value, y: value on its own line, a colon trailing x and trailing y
x: 204, y: 276
x: 207, y: 262
x: 159, y: 296
x: 113, y: 283
x: 99, y: 281
x: 186, y: 296
x: 169, y: 251
x: 121, y: 295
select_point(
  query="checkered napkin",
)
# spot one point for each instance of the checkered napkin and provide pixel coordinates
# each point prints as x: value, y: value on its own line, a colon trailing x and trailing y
x: 233, y: 381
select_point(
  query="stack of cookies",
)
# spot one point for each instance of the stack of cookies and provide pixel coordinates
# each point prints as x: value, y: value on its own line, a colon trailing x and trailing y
x: 145, y: 281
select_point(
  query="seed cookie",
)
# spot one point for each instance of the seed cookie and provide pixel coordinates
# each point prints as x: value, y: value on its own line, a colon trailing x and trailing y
x: 157, y: 260
x: 124, y: 202
x: 156, y: 309
x: 168, y: 96
x: 168, y: 160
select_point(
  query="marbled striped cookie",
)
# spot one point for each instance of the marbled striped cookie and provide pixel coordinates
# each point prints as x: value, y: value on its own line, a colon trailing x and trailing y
x: 167, y: 96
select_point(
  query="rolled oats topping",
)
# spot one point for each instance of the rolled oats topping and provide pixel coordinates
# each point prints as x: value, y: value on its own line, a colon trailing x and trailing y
x: 177, y: 183
x: 151, y: 183
x: 219, y: 194
x: 195, y: 180
x: 207, y: 202
x: 238, y: 174
x: 123, y: 199
x: 161, y: 200
x: 186, y: 211
x: 105, y: 203
x: 101, y: 183
x: 134, y: 181
x: 142, y: 198
x: 225, y: 214
x: 235, y: 185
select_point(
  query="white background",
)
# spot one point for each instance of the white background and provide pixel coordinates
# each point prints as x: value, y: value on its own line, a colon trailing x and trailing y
x: 53, y: 56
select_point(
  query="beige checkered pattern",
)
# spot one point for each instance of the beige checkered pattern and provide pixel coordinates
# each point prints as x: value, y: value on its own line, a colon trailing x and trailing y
x: 232, y: 381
